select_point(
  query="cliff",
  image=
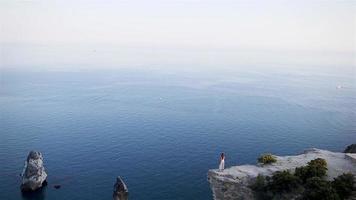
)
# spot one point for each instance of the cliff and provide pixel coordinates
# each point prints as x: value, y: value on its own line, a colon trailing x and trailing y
x: 233, y: 183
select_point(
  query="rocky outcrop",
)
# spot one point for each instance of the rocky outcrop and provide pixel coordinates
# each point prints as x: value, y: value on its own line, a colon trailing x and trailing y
x: 33, y: 174
x: 233, y: 183
x: 120, y: 190
x: 350, y: 149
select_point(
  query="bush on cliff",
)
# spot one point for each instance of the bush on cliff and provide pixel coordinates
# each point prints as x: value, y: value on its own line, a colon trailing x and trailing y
x: 318, y: 188
x: 307, y: 183
x: 279, y: 184
x: 259, y: 184
x: 283, y: 181
x: 267, y: 159
x: 344, y: 185
x: 315, y: 168
x: 260, y: 188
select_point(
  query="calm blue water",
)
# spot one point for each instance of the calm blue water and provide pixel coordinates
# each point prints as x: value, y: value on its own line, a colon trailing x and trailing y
x: 162, y: 130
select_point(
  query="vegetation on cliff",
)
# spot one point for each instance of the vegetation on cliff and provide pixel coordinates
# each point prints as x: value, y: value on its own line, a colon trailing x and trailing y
x: 315, y: 168
x: 344, y: 185
x: 267, y: 159
x: 308, y: 182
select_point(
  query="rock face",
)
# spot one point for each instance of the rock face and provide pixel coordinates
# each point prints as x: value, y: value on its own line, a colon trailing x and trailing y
x: 350, y: 149
x: 33, y: 174
x: 233, y: 183
x: 120, y: 190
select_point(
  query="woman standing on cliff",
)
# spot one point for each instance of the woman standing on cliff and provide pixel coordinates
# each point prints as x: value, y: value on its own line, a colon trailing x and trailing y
x: 222, y: 162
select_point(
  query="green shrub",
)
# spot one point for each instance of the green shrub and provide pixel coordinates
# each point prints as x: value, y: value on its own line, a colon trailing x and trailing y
x: 267, y: 159
x: 319, y: 162
x: 302, y: 173
x: 315, y: 168
x: 260, y: 188
x: 283, y: 181
x: 308, y: 181
x: 259, y: 184
x: 318, y: 188
x: 344, y: 185
x: 278, y: 186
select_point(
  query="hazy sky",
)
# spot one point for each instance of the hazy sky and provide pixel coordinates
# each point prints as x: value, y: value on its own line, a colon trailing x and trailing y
x: 195, y: 26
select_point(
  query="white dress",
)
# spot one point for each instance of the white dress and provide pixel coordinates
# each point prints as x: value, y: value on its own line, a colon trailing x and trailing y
x: 222, y: 164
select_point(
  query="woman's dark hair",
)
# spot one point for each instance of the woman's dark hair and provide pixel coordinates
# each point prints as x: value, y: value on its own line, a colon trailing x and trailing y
x: 222, y: 155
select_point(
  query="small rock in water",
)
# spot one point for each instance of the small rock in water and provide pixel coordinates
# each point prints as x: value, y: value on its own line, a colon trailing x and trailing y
x: 33, y: 174
x: 57, y: 186
x: 120, y: 190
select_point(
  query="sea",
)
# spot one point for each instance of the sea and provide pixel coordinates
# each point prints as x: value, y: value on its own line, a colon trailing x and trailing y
x: 162, y: 129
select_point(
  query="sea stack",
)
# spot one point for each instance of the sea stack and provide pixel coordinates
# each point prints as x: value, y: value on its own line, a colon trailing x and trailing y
x: 33, y: 174
x: 120, y: 190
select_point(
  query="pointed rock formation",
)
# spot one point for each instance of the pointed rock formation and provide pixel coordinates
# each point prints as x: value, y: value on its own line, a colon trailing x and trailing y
x: 120, y: 190
x: 33, y: 174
